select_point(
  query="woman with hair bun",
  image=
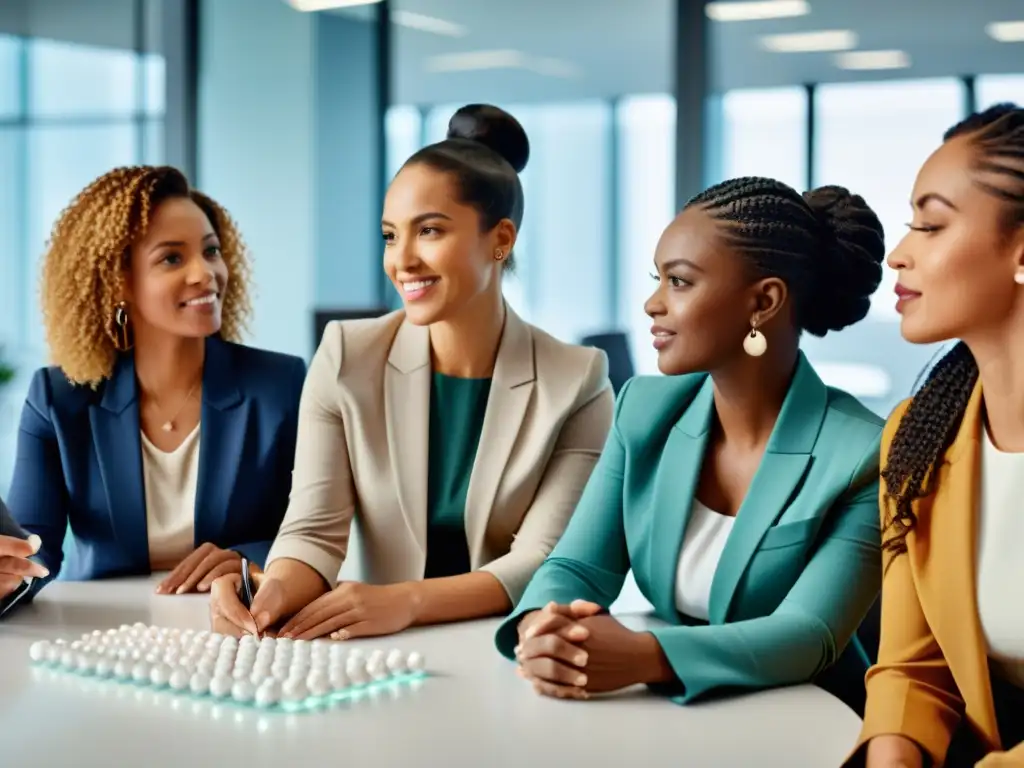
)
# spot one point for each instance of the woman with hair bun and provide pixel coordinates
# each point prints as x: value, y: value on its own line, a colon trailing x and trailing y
x: 164, y: 443
x: 455, y: 435
x: 740, y: 490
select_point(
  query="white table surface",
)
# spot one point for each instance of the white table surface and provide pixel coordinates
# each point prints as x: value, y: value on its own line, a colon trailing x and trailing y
x: 473, y: 711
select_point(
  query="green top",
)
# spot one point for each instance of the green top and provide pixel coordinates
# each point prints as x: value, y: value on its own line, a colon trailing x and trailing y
x: 457, y: 409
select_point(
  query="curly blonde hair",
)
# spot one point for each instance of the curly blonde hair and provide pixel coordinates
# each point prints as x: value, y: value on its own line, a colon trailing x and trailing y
x: 87, y: 260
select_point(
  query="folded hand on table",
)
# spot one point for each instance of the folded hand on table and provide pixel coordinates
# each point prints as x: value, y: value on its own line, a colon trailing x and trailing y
x: 571, y: 651
x: 353, y: 609
x: 15, y: 565
x: 197, y: 572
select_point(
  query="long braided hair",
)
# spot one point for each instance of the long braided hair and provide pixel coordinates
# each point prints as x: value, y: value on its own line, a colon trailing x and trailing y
x: 933, y: 418
x: 827, y: 245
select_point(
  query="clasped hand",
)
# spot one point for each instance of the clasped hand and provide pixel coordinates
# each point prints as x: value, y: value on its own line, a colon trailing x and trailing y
x: 572, y: 651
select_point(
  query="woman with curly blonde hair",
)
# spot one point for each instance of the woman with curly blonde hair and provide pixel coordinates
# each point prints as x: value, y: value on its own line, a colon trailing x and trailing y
x: 145, y: 295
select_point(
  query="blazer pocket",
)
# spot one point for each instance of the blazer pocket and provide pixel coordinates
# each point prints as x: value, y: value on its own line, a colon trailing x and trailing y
x: 788, y: 534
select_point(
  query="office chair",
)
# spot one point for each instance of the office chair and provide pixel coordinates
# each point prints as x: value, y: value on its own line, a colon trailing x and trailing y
x: 615, y: 345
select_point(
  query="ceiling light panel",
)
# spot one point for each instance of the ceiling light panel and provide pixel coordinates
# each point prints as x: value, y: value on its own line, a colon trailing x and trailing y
x: 811, y: 42
x: 756, y: 10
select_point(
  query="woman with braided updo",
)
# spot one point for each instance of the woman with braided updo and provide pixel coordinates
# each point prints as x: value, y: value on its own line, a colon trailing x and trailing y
x: 949, y: 685
x: 144, y: 294
x: 739, y: 489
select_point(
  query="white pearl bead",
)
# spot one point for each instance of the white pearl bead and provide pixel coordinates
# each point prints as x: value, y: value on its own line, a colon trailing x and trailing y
x: 39, y: 650
x: 122, y: 670
x: 318, y: 684
x: 53, y: 654
x: 67, y: 659
x: 339, y: 680
x: 242, y: 691
x: 159, y: 675
x: 200, y: 683
x: 395, y: 661
x: 179, y: 679
x: 294, y: 690
x: 104, y: 668
x: 268, y: 694
x: 220, y: 686
x: 140, y: 672
x: 415, y: 662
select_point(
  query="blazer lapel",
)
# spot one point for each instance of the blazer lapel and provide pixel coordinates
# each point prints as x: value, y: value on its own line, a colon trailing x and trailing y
x: 115, y: 435
x: 674, y: 489
x: 786, y: 459
x: 947, y: 568
x: 407, y: 419
x: 224, y: 415
x: 511, y: 387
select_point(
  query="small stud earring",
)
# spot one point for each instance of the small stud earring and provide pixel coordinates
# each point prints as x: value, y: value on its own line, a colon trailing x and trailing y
x: 754, y: 343
x: 1018, y: 278
x: 498, y: 255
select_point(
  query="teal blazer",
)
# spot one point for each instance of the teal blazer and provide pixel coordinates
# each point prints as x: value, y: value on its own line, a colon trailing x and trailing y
x: 801, y: 566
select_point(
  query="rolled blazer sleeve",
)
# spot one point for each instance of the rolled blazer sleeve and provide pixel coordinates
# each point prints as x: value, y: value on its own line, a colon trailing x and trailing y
x: 910, y: 690
x: 577, y: 451
x: 316, y: 527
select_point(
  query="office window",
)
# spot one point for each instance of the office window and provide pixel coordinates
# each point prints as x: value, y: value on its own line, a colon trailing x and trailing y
x: 10, y: 84
x: 86, y: 109
x: 403, y: 128
x: 764, y: 133
x: 646, y: 202
x: 565, y: 241
x: 873, y: 139
x: 67, y: 79
x: 993, y: 89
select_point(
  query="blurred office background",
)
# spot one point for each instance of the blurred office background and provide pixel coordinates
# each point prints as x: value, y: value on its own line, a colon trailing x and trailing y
x: 295, y: 115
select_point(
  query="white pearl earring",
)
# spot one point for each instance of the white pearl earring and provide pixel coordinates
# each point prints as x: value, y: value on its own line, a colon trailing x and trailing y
x: 754, y: 343
x: 1019, y: 278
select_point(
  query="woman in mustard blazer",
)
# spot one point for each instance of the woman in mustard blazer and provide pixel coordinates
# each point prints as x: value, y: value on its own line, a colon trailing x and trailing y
x: 739, y: 489
x: 948, y: 688
x: 456, y: 436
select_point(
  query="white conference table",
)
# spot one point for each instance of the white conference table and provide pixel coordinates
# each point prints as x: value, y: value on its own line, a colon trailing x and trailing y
x: 471, y: 711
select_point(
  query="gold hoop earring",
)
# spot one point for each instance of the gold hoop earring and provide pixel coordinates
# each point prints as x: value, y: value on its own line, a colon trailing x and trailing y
x: 122, y: 328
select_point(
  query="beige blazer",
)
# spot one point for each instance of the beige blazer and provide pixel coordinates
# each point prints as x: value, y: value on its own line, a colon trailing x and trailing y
x: 362, y: 451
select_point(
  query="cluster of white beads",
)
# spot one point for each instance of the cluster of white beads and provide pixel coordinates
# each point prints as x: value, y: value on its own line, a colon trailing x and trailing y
x: 267, y: 671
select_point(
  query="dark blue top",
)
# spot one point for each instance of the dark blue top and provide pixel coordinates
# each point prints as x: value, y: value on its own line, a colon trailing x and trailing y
x: 79, y: 461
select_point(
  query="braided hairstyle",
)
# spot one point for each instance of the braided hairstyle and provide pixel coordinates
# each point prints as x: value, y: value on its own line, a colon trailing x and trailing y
x: 827, y: 245
x: 933, y: 418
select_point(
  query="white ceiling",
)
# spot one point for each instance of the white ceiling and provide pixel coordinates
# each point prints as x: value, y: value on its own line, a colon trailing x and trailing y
x: 626, y: 46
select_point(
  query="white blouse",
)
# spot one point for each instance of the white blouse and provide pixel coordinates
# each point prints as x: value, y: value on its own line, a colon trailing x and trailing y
x: 706, y: 534
x: 170, y: 483
x: 1000, y: 565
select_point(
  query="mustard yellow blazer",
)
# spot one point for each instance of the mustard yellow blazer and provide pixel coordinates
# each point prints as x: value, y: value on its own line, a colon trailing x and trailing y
x: 932, y: 668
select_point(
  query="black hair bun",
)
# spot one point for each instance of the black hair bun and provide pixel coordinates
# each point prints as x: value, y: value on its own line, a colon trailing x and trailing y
x: 850, y: 267
x: 494, y: 128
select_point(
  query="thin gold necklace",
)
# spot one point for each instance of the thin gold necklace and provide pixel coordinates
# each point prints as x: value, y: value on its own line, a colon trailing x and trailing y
x: 168, y: 426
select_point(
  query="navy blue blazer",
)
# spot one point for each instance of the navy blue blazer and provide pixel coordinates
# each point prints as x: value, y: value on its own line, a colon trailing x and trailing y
x: 79, y: 461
